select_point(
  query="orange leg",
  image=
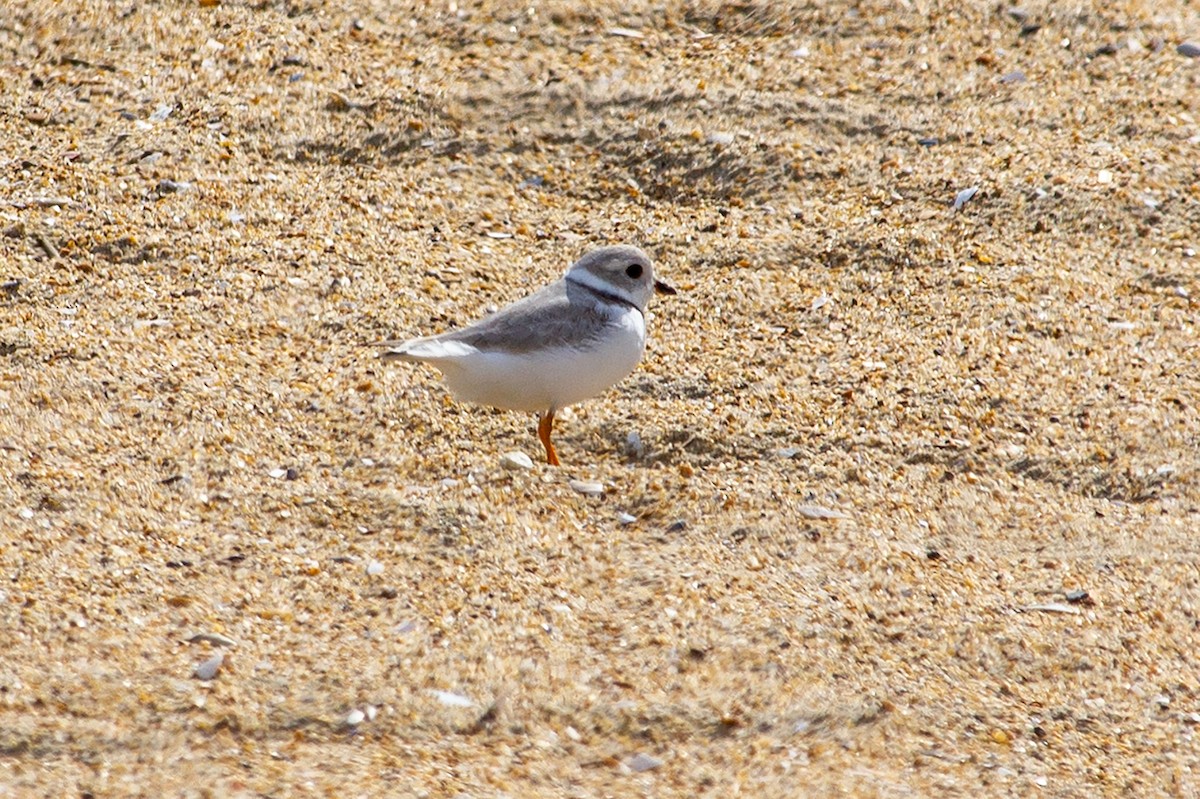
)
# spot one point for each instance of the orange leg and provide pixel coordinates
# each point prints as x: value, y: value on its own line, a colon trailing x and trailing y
x: 545, y: 426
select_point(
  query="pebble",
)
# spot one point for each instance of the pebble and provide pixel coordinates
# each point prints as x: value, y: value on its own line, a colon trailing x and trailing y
x: 451, y: 699
x: 212, y: 638
x: 626, y: 518
x: 1053, y: 607
x: 589, y: 488
x: 1189, y: 50
x: 166, y: 186
x: 642, y: 762
x: 277, y: 473
x: 516, y: 461
x: 819, y: 512
x: 209, y: 668
x: 374, y: 568
x: 720, y: 138
x: 355, y: 717
x: 633, y: 444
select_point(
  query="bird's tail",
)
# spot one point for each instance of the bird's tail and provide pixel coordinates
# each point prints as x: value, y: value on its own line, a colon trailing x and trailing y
x: 432, y: 349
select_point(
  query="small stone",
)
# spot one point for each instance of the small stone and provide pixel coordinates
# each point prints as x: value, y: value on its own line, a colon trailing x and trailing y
x: 451, y: 699
x: 720, y: 138
x: 1189, y: 50
x: 374, y: 568
x: 516, y: 461
x: 277, y: 473
x: 355, y: 717
x: 642, y: 762
x: 166, y: 186
x: 633, y: 444
x: 626, y: 518
x: 1053, y: 607
x: 1104, y: 177
x: 209, y: 668
x: 589, y: 488
x: 819, y: 512
x: 216, y: 639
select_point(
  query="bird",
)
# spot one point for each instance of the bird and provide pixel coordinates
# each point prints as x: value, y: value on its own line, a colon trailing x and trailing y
x: 563, y: 344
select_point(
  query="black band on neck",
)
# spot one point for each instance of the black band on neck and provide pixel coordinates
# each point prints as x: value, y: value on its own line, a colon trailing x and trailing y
x: 607, y: 295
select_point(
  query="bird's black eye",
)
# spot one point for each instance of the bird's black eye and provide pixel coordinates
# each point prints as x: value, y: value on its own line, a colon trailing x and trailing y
x: 634, y: 271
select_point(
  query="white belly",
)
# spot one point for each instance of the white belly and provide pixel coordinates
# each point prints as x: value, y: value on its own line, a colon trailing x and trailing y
x: 541, y: 380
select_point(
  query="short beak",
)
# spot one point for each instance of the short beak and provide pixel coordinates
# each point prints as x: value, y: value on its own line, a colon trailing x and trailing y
x: 664, y: 288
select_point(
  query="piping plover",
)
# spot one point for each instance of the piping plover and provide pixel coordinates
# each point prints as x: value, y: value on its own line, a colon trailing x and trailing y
x: 563, y: 344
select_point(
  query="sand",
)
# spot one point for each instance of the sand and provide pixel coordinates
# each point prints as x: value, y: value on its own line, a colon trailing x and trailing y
x: 903, y: 499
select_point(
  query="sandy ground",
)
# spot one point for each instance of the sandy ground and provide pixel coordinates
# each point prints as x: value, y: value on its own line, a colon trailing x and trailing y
x: 916, y: 502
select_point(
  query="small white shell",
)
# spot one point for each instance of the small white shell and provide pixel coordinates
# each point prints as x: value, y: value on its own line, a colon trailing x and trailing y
x: 589, y: 488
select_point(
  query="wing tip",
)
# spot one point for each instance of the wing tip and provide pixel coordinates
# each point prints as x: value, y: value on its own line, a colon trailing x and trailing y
x: 395, y: 354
